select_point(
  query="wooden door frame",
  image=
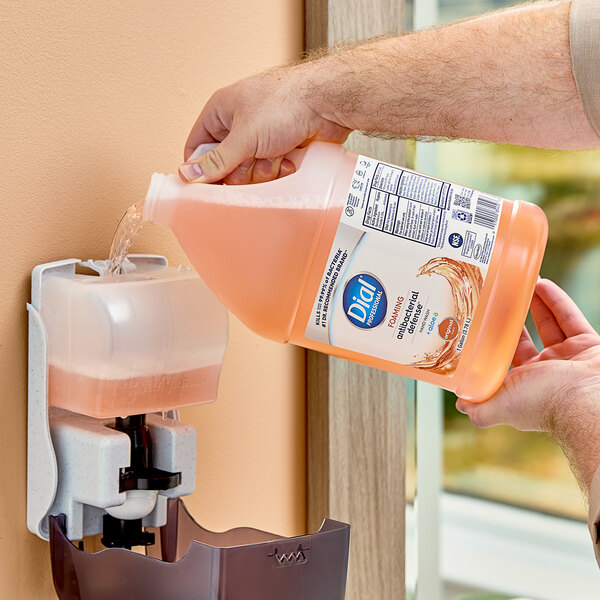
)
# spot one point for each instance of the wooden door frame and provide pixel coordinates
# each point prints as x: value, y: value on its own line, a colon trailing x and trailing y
x: 357, y: 415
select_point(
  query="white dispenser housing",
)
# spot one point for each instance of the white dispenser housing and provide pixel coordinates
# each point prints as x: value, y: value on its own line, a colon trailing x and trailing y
x: 148, y: 341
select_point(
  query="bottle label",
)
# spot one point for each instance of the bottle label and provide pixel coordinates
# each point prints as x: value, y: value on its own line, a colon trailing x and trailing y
x: 406, y: 268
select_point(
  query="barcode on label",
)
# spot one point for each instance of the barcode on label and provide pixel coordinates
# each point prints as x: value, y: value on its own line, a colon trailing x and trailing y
x: 486, y: 211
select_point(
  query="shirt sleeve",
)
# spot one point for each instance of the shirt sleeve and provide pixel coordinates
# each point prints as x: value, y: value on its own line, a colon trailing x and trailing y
x: 584, y: 34
x: 594, y: 514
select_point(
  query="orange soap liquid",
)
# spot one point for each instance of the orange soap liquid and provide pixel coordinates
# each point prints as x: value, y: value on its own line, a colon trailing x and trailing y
x: 106, y: 398
x: 262, y: 248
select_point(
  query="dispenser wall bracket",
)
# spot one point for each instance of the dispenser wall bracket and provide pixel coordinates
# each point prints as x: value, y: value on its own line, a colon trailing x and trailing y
x: 74, y: 461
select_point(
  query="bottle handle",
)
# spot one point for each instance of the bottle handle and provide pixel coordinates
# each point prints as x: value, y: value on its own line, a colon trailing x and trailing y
x: 296, y: 155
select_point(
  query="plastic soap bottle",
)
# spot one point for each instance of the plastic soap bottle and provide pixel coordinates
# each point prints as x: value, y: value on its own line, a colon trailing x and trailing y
x: 367, y: 261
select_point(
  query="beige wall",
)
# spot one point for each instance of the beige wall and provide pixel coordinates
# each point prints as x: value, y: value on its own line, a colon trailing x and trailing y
x: 95, y: 96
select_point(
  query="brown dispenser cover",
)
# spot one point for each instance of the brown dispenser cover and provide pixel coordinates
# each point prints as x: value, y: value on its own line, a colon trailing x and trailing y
x: 196, y: 564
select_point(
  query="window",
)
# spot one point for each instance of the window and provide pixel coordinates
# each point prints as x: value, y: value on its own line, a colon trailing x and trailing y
x: 510, y: 518
x: 524, y: 469
x: 527, y: 469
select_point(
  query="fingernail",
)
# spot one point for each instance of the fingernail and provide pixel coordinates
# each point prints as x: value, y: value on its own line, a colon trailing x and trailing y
x: 460, y: 407
x: 190, y: 171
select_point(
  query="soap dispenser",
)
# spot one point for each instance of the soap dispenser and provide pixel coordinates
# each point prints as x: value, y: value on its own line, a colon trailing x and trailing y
x: 111, y: 360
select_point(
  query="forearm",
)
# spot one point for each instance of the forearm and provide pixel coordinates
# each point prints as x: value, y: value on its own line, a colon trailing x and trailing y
x: 576, y: 429
x: 505, y: 77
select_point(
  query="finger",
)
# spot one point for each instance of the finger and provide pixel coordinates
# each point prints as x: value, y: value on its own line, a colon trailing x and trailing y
x: 202, y: 149
x: 190, y: 169
x: 545, y: 322
x: 485, y: 414
x: 523, y: 401
x: 222, y: 160
x: 565, y: 312
x: 526, y: 349
x: 500, y: 409
x: 198, y: 136
x: 269, y: 170
x: 266, y: 169
x: 287, y: 168
x: 328, y: 132
x: 243, y: 174
x: 207, y: 128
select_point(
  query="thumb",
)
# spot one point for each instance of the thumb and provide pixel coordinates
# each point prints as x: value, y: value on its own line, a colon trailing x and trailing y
x: 521, y: 402
x: 216, y: 163
x: 497, y: 410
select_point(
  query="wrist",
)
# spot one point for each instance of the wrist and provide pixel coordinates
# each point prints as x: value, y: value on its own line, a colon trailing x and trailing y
x: 336, y: 88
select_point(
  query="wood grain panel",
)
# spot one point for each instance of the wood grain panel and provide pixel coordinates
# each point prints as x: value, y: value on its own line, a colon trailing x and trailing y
x: 356, y: 463
x: 356, y: 415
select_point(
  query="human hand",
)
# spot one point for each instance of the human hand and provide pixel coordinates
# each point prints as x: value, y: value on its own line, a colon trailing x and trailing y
x: 258, y: 120
x: 556, y: 390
